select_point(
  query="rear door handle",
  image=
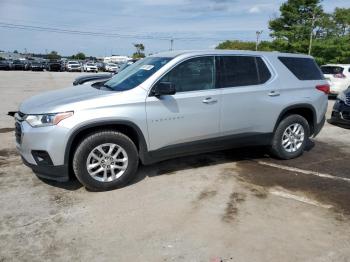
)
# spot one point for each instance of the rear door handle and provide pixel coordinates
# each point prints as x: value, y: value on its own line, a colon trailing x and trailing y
x: 209, y: 100
x: 274, y: 93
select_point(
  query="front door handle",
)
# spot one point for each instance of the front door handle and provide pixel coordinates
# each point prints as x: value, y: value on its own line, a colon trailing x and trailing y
x: 209, y: 100
x: 274, y: 93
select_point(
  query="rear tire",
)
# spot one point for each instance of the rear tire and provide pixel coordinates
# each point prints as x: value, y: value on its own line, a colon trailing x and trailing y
x: 105, y: 160
x: 291, y: 137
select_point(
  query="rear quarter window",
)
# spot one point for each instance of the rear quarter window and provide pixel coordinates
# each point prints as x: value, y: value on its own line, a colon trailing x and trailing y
x: 303, y: 68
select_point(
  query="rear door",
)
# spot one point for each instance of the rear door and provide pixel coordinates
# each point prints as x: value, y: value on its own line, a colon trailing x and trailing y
x: 250, y: 96
x: 193, y: 113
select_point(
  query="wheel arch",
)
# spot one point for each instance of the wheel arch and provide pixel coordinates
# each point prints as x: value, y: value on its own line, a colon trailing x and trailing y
x: 305, y: 110
x: 126, y: 127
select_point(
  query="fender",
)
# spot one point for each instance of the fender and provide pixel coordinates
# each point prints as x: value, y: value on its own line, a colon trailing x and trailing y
x: 298, y: 106
x: 141, y: 138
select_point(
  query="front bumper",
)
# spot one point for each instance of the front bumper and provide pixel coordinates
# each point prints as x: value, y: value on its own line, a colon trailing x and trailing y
x: 49, y: 140
x: 91, y: 69
x: 340, y: 113
x: 57, y: 173
x: 76, y: 69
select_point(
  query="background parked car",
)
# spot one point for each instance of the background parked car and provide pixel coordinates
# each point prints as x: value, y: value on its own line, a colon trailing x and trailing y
x: 55, y: 65
x: 18, y: 65
x: 73, y: 66
x: 341, y: 109
x: 5, y: 65
x: 100, y: 66
x: 91, y: 79
x: 338, y: 76
x: 37, y: 66
x: 110, y: 67
x: 90, y: 67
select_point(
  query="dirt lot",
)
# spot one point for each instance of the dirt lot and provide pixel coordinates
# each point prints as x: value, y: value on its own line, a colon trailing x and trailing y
x: 237, y: 205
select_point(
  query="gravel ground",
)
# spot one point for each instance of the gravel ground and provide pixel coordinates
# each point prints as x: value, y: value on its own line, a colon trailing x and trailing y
x: 236, y: 205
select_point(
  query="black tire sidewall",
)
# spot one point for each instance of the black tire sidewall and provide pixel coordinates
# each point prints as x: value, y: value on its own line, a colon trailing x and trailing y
x: 277, y: 148
x: 94, y: 140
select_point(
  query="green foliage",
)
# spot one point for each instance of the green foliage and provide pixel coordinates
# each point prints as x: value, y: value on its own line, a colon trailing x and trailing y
x: 79, y: 56
x: 299, y: 20
x: 140, y: 48
x: 241, y: 45
x: 53, y: 55
x: 341, y: 18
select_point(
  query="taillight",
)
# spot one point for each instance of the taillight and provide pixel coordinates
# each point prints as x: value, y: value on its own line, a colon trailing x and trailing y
x: 340, y: 75
x: 324, y: 88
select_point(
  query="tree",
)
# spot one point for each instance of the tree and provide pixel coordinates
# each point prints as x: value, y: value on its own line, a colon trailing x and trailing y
x: 16, y: 52
x: 292, y: 30
x: 53, y: 55
x: 241, y: 45
x: 341, y: 18
x: 79, y: 56
x: 140, y: 48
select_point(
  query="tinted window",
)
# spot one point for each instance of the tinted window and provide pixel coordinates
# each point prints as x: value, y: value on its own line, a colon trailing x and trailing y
x: 302, y: 68
x: 193, y: 74
x: 332, y: 70
x: 242, y: 71
x: 263, y: 72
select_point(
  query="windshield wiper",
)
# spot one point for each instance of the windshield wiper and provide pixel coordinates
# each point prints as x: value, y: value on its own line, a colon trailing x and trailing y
x: 108, y: 87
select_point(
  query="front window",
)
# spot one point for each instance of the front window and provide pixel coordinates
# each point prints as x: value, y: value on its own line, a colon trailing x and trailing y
x: 136, y: 73
x: 193, y: 75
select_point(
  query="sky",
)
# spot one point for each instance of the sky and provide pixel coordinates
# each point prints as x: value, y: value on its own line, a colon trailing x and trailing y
x: 114, y: 25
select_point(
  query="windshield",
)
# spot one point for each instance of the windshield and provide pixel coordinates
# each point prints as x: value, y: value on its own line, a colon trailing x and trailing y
x: 136, y: 73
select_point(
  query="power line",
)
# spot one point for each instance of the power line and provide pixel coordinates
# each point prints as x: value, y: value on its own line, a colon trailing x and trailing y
x: 91, y: 33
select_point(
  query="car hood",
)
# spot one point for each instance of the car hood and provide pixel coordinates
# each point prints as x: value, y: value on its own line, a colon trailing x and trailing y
x: 62, y: 100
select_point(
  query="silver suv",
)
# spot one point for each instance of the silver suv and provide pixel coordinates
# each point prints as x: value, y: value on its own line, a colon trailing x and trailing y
x: 172, y: 104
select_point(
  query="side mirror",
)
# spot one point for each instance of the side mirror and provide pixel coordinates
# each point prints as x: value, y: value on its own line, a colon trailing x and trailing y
x: 163, y: 88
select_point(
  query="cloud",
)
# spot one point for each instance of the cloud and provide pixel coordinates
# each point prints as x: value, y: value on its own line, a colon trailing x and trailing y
x: 257, y: 9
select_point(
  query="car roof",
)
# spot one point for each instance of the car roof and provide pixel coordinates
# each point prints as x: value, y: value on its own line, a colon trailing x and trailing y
x: 343, y: 65
x: 172, y: 54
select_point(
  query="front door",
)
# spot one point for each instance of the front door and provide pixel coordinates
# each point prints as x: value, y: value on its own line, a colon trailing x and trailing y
x: 190, y: 115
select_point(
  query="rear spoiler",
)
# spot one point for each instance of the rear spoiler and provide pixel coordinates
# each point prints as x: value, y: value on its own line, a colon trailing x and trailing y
x: 11, y: 113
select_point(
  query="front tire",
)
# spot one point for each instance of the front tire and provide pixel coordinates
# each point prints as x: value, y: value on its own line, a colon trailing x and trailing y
x: 105, y: 160
x: 291, y: 137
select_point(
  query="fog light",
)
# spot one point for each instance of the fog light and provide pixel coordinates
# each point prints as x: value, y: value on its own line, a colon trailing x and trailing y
x: 42, y: 158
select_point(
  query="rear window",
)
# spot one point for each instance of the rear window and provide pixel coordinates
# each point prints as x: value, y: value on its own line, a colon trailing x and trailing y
x: 303, y: 68
x: 242, y: 71
x: 332, y: 70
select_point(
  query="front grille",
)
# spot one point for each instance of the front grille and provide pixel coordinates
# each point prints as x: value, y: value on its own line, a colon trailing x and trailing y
x: 347, y: 100
x: 346, y: 115
x: 18, y: 132
x: 18, y: 127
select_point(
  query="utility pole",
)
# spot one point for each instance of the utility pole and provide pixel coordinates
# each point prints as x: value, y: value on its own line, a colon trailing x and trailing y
x: 312, y: 31
x: 258, y: 33
x: 171, y: 44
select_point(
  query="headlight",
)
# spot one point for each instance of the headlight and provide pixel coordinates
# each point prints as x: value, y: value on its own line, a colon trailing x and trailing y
x: 341, y: 96
x: 46, y: 119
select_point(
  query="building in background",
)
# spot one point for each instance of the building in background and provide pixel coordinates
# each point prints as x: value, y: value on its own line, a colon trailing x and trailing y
x: 11, y: 55
x: 117, y: 59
